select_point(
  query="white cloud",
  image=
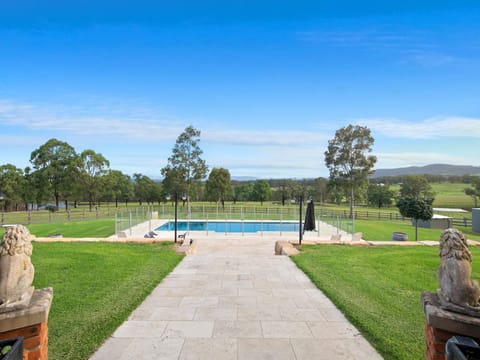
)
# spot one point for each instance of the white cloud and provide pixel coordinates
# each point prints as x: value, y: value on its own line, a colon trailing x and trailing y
x: 264, y: 137
x: 404, y: 159
x: 436, y: 127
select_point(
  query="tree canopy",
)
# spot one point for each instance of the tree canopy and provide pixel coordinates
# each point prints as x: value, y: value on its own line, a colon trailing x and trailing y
x: 219, y: 184
x: 54, y: 163
x: 416, y: 186
x: 474, y: 191
x: 185, y: 165
x: 347, y: 159
x: 417, y: 209
x: 261, y: 191
x: 380, y: 195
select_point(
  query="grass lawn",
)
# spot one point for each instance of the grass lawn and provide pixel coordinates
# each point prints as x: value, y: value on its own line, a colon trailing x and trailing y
x: 88, y: 228
x: 95, y: 288
x: 378, y: 289
x: 382, y: 230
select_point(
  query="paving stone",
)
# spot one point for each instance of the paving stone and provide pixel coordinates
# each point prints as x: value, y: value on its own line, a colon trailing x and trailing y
x: 237, y: 329
x: 260, y: 349
x: 197, y: 301
x: 161, y: 301
x: 138, y: 329
x: 180, y: 313
x: 209, y: 349
x: 259, y: 313
x: 352, y: 349
x: 189, y: 329
x: 152, y: 349
x: 238, y: 301
x: 333, y: 330
x: 216, y: 313
x: 286, y: 329
x: 296, y: 314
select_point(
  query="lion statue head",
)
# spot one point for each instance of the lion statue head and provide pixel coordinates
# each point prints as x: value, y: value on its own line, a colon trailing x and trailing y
x: 16, y: 240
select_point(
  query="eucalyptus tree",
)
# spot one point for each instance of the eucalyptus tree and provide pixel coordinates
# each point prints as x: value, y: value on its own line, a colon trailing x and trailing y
x: 118, y: 187
x: 145, y: 189
x: 92, y: 168
x: 185, y: 165
x: 348, y: 159
x: 219, y: 185
x: 261, y: 191
x: 11, y: 180
x: 28, y: 190
x: 380, y: 195
x: 53, y: 163
x: 474, y: 190
x: 416, y: 186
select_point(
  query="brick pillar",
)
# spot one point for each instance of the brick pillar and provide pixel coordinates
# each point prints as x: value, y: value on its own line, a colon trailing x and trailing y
x: 441, y: 325
x: 31, y: 323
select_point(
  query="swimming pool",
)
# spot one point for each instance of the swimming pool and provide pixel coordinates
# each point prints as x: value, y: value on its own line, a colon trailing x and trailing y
x: 231, y: 226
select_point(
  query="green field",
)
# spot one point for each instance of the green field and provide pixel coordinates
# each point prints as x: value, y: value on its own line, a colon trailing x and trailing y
x: 449, y: 195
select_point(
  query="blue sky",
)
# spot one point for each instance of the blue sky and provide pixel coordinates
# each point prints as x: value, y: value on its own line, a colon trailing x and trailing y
x: 266, y: 83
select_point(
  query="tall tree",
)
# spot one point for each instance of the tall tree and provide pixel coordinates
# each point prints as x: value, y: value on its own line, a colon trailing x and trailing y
x: 53, y: 162
x: 416, y: 186
x: 219, y: 185
x: 185, y: 165
x: 380, y: 195
x: 474, y: 190
x: 11, y: 179
x: 119, y: 186
x: 261, y: 191
x: 417, y: 209
x: 348, y: 159
x: 92, y: 167
x: 146, y: 189
x: 28, y: 192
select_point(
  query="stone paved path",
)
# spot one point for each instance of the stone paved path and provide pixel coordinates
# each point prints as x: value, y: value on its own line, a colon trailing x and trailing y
x: 234, y: 299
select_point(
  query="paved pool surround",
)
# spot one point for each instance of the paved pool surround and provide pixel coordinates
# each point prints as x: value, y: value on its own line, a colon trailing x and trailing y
x: 234, y: 299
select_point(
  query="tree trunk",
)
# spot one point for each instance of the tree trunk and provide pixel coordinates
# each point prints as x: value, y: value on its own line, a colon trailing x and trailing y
x: 352, y: 195
x: 416, y: 229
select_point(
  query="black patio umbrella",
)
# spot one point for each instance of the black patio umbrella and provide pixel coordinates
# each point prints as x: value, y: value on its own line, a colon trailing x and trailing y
x: 309, y: 217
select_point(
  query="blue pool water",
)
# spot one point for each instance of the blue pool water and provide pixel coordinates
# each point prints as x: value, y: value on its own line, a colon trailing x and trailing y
x: 230, y: 226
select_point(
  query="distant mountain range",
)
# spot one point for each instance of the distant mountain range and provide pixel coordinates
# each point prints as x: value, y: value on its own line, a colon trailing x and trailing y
x: 433, y: 169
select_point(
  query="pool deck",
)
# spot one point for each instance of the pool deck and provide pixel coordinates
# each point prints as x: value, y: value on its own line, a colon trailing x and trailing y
x: 234, y: 299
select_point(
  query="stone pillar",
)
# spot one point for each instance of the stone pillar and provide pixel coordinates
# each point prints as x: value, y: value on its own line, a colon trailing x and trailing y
x: 441, y: 325
x: 31, y: 323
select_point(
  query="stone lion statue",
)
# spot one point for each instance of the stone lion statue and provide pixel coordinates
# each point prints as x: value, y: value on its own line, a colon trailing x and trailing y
x: 457, y: 290
x: 16, y: 269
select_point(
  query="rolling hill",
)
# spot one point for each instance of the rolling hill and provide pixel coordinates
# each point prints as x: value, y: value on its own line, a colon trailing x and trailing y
x: 433, y: 169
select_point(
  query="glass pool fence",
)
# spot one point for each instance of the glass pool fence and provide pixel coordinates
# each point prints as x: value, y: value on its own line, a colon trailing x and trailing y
x: 234, y: 218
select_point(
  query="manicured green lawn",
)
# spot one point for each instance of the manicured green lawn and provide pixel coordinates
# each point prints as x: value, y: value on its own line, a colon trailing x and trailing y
x: 382, y: 230
x: 88, y: 228
x: 379, y: 289
x: 95, y: 288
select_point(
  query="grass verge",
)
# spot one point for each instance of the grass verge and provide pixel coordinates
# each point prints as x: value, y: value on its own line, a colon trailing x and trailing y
x: 378, y: 289
x: 95, y: 286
